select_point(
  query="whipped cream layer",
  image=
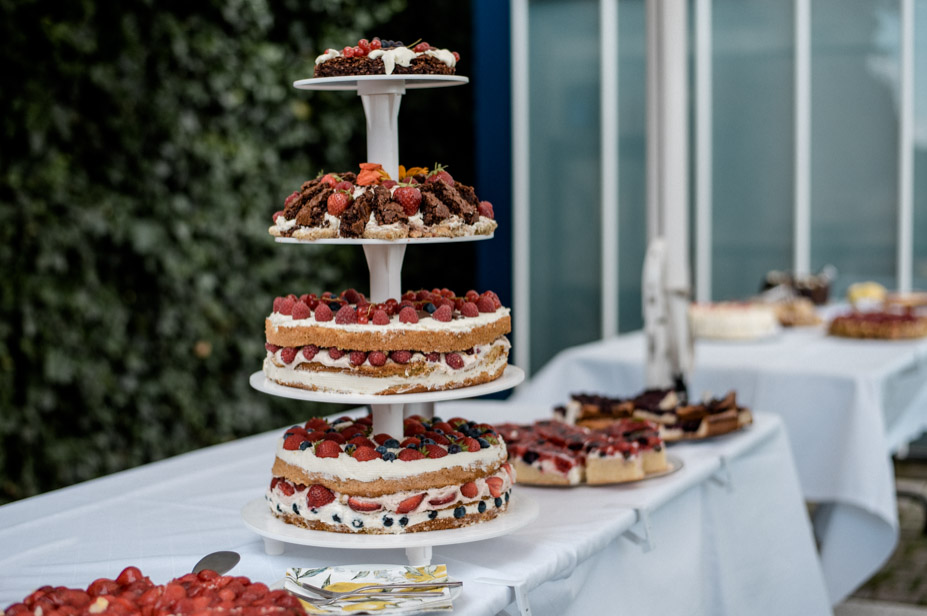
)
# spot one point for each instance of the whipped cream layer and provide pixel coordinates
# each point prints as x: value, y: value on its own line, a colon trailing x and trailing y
x: 344, y: 362
x: 425, y: 324
x: 454, y: 225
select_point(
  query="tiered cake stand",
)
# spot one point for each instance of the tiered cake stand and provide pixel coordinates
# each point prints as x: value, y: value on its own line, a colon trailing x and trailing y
x: 381, y: 96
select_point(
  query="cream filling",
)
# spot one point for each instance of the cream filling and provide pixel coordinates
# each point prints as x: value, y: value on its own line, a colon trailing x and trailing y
x: 462, y: 325
x: 322, y: 357
x: 339, y: 382
x: 391, y: 57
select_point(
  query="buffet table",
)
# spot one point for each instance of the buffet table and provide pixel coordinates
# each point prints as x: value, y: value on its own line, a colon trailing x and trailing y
x: 726, y: 533
x: 847, y: 406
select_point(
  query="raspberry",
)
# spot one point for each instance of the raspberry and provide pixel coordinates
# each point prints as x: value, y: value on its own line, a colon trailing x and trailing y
x: 410, y: 503
x: 409, y: 198
x: 388, y: 183
x: 443, y: 313
x: 288, y: 354
x: 495, y: 298
x: 407, y: 455
x: 380, y: 317
x: 401, y: 357
x: 484, y: 304
x: 323, y: 313
x: 310, y: 351
x: 435, y: 451
x: 345, y: 185
x: 327, y: 449
x: 364, y: 453
x: 347, y: 316
x: 472, y: 295
x: 433, y: 356
x: 301, y: 310
x: 408, y: 315
x: 335, y: 353
x: 273, y: 348
x: 485, y: 209
x: 358, y: 357
x: 319, y: 496
x: 454, y: 360
x: 352, y: 296
x: 377, y: 358
x: 469, y: 309
x: 469, y: 490
x: 285, y: 306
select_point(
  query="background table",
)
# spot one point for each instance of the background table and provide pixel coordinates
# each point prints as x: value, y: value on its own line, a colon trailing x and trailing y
x: 728, y: 532
x: 847, y: 405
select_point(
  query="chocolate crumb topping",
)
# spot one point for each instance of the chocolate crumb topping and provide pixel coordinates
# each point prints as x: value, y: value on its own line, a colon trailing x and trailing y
x: 433, y: 210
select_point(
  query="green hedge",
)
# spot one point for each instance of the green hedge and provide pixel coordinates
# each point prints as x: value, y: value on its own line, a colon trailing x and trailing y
x: 144, y: 146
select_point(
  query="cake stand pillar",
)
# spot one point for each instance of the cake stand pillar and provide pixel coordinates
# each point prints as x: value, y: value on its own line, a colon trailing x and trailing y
x: 381, y: 101
x: 387, y: 419
x: 385, y: 264
x: 419, y: 556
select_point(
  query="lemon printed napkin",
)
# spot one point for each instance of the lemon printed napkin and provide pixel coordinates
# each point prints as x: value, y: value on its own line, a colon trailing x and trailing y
x: 346, y: 578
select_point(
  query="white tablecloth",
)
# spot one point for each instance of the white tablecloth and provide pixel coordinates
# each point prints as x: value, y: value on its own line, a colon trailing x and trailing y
x: 729, y: 532
x: 847, y: 404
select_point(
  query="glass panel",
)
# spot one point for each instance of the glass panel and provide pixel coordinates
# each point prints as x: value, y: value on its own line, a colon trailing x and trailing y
x: 920, y: 146
x: 854, y: 140
x: 564, y: 128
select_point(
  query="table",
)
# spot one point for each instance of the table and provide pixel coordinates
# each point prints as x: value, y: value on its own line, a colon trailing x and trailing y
x: 847, y: 405
x: 727, y: 532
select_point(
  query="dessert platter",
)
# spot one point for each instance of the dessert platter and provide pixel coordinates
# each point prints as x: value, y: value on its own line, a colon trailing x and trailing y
x: 387, y: 479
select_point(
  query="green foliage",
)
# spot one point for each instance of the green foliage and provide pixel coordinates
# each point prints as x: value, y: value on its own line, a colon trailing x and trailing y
x: 144, y: 147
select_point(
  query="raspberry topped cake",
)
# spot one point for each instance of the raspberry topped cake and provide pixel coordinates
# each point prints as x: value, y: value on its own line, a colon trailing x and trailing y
x: 385, y: 57
x: 879, y: 325
x: 555, y: 453
x: 369, y: 204
x: 423, y: 341
x: 341, y: 477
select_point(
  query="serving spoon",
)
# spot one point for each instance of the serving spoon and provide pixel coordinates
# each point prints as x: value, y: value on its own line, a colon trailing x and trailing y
x: 220, y: 562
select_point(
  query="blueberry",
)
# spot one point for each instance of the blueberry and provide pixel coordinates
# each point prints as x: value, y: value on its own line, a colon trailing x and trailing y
x: 412, y: 446
x: 295, y: 508
x: 432, y: 515
x: 398, y: 43
x: 305, y: 445
x: 498, y: 501
x: 335, y: 306
x: 381, y: 449
x: 387, y: 521
x: 529, y: 457
x: 314, y: 510
x: 359, y: 524
x: 438, y: 431
x: 336, y: 518
x: 403, y: 521
x: 288, y: 434
x: 427, y: 441
x: 279, y: 510
x: 391, y: 443
x: 389, y: 456
x: 436, y: 419
x: 507, y: 496
x: 481, y: 507
x: 429, y: 308
x: 460, y: 512
x: 484, y: 444
x: 453, y: 449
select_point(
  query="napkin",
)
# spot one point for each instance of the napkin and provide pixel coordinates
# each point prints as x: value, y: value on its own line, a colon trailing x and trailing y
x: 348, y: 577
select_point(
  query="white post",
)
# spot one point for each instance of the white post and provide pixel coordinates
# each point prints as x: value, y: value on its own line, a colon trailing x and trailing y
x: 906, y: 149
x: 704, y: 152
x: 801, y: 249
x: 608, y: 176
x: 521, y: 178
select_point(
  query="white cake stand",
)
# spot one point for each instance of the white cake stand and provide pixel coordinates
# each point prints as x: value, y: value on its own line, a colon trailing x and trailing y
x: 381, y: 96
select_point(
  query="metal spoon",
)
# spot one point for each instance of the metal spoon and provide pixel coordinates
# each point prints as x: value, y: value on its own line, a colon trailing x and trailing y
x: 220, y: 562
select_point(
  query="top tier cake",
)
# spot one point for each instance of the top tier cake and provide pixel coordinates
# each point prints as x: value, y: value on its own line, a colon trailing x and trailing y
x: 378, y: 57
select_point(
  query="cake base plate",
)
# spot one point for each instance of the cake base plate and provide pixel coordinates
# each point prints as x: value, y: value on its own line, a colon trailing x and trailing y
x: 402, y: 240
x: 511, y: 377
x: 522, y: 510
x: 410, y: 82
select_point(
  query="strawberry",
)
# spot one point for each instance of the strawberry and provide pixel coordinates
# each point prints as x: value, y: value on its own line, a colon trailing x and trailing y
x: 414, y: 428
x: 454, y: 360
x: 285, y: 305
x: 335, y: 353
x: 309, y: 352
x: 484, y: 304
x: 362, y: 441
x: 411, y: 440
x: 301, y: 311
x: 443, y: 313
x: 408, y: 315
x: 286, y: 487
x: 380, y: 317
x: 437, y: 502
x: 277, y: 215
x: 352, y: 432
x: 409, y: 198
x: 469, y: 309
x: 508, y: 468
x: 443, y: 426
x: 381, y: 438
x: 327, y: 449
x: 439, y: 173
x: 364, y: 453
x: 358, y: 357
x: 363, y: 506
x: 288, y: 354
x: 410, y: 503
x: 346, y: 315
x: 336, y: 437
x: 129, y: 575
x: 319, y: 496
x: 469, y: 490
x: 485, y: 209
x: 377, y: 358
x: 331, y: 179
x: 338, y: 202
x: 407, y: 455
x: 495, y: 486
x: 389, y: 183
x: 316, y: 423
x: 323, y: 313
x: 273, y: 348
x: 470, y: 444
x: 292, y: 442
x: 315, y: 437
x: 435, y: 451
x: 401, y: 357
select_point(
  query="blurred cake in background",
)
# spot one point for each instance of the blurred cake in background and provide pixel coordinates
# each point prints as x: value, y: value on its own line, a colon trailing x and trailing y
x: 815, y: 287
x: 732, y: 320
x: 866, y: 295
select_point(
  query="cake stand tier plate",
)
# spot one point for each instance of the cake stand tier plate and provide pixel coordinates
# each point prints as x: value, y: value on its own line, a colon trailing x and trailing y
x: 522, y: 510
x: 401, y: 240
x: 351, y: 82
x: 511, y: 377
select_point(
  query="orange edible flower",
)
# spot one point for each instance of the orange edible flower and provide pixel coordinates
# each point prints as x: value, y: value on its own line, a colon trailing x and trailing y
x: 370, y: 174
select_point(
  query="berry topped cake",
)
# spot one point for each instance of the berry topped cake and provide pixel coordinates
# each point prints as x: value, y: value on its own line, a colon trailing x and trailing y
x: 424, y: 341
x: 423, y: 203
x: 379, y: 57
x: 555, y: 453
x: 341, y: 477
